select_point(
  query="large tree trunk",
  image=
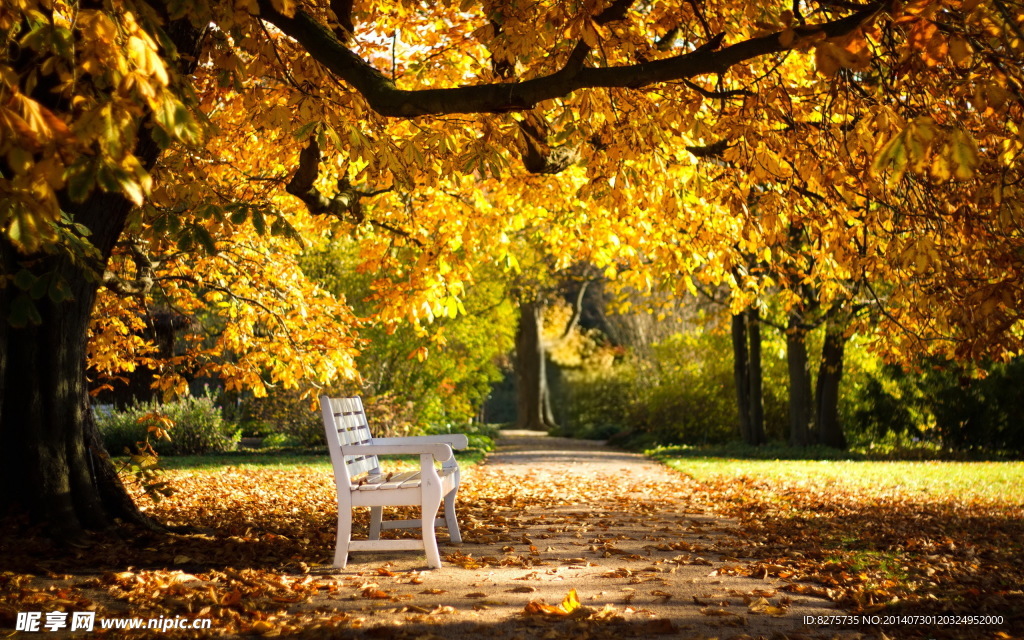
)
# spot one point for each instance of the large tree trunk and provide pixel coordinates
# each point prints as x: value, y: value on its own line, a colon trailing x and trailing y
x: 53, y: 465
x: 800, y: 400
x: 830, y: 374
x: 533, y: 396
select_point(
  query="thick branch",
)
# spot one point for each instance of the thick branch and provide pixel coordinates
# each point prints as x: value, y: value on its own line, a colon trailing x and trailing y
x: 343, y: 12
x: 538, y: 156
x: 346, y: 204
x: 718, y: 95
x: 145, y: 268
x: 387, y: 99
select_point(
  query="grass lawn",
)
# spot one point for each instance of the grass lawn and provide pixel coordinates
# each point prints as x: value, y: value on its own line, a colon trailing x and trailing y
x: 893, y: 536
x: 965, y: 482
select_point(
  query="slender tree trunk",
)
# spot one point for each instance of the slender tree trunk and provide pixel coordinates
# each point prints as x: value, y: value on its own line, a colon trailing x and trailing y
x: 746, y: 348
x: 533, y: 396
x: 830, y: 374
x: 800, y: 400
x: 741, y: 373
x: 756, y: 385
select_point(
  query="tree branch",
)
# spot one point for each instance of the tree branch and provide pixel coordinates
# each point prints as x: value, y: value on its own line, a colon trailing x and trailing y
x: 342, y: 10
x: 713, y: 150
x: 145, y: 269
x: 538, y: 156
x: 346, y: 204
x: 384, y: 97
x: 717, y: 95
x: 577, y: 313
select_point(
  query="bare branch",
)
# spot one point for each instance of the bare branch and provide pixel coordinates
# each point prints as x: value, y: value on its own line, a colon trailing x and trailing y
x: 700, y: 16
x: 577, y: 313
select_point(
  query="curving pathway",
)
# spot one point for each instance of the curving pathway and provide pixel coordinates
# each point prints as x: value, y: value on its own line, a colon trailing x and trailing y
x: 638, y: 542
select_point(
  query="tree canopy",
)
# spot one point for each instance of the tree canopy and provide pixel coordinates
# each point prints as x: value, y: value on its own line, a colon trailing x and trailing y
x: 713, y: 130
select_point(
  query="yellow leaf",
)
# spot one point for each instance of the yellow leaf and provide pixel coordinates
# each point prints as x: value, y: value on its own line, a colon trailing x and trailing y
x: 959, y: 50
x: 963, y: 155
x: 262, y: 627
x: 589, y: 35
x: 892, y: 156
x: 825, y: 61
x: 19, y: 160
x: 287, y: 7
x: 571, y: 602
x: 538, y: 607
x: 940, y: 168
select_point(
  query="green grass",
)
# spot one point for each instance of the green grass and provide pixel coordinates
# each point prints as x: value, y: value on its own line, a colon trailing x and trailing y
x: 1001, y: 482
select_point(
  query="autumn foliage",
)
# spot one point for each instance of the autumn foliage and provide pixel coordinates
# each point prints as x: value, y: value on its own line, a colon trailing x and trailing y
x: 871, y: 160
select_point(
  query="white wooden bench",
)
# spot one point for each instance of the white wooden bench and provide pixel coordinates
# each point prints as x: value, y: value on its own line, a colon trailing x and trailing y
x: 354, y: 452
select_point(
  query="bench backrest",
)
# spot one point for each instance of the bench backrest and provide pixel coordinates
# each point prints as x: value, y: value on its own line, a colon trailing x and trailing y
x: 345, y: 423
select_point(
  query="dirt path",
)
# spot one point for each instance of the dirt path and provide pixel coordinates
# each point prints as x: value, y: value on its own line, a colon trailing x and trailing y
x: 543, y: 516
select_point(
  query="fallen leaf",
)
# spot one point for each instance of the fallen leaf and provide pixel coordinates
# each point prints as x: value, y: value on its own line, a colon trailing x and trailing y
x: 568, y: 605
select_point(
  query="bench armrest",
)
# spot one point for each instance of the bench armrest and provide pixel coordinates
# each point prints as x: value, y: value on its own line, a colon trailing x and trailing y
x: 453, y: 440
x: 440, y: 451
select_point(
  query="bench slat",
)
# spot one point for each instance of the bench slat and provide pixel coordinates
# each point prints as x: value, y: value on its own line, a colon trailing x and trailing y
x: 374, y: 482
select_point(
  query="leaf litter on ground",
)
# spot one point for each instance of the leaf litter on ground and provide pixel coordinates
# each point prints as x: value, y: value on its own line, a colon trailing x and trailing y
x: 256, y: 560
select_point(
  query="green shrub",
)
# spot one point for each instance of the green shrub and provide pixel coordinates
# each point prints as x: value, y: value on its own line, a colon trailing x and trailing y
x: 694, y: 400
x: 598, y: 402
x: 198, y: 427
x: 946, y: 407
x: 974, y: 413
x: 682, y: 392
x: 285, y: 416
x: 279, y: 441
x: 481, y: 435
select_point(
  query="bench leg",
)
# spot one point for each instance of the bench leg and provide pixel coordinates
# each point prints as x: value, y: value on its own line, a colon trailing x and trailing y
x: 344, y: 537
x: 449, y: 516
x: 376, y: 516
x: 431, y: 503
